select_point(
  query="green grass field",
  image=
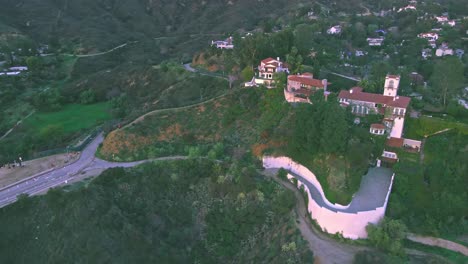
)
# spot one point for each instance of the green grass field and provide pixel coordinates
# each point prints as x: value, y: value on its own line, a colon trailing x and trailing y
x: 72, y: 117
x: 420, y: 127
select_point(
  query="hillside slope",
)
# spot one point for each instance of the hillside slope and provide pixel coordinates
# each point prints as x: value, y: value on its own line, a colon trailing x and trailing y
x: 90, y: 24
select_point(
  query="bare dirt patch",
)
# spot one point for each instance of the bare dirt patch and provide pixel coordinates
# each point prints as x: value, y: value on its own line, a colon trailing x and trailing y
x: 32, y: 167
x: 118, y: 141
x: 171, y: 132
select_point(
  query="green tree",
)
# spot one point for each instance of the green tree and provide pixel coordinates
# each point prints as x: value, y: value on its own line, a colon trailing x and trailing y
x: 34, y: 63
x: 388, y: 235
x: 334, y: 129
x: 87, y: 97
x: 447, y: 78
x: 294, y: 59
x: 247, y: 73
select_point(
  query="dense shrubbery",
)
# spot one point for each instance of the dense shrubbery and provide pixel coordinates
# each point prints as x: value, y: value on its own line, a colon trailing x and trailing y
x: 432, y: 198
x: 172, y: 212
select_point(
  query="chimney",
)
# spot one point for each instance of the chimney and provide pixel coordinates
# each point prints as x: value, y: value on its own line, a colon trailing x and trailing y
x: 278, y: 58
x: 325, y: 84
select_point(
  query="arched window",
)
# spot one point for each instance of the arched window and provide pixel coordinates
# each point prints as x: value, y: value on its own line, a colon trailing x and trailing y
x: 391, y: 83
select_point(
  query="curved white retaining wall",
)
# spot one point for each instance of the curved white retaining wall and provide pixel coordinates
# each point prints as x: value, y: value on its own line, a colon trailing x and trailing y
x: 351, y: 225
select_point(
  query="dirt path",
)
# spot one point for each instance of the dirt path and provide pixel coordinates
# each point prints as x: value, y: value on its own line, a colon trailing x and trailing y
x: 142, y: 117
x: 17, y: 123
x: 439, y: 242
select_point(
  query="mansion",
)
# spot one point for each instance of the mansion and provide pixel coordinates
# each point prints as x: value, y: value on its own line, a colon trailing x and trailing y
x: 301, y: 86
x: 266, y: 72
x: 389, y: 104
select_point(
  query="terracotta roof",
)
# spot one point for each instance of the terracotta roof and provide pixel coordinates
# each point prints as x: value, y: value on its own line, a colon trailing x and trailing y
x: 306, y: 81
x: 377, y: 126
x: 393, y: 76
x: 268, y: 60
x: 357, y: 95
x: 395, y: 142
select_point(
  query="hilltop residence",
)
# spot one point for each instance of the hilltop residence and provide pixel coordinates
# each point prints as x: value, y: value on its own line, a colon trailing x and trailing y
x: 301, y: 86
x: 388, y: 104
x: 266, y: 72
x: 223, y: 44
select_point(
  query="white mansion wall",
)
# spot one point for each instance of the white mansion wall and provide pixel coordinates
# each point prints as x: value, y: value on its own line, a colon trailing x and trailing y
x: 397, y: 129
x: 351, y: 225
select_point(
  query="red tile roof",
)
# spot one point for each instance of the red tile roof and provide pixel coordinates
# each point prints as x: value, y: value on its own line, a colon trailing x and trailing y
x: 377, y: 126
x: 395, y: 142
x: 306, y: 81
x: 268, y: 60
x: 357, y: 95
x: 393, y: 76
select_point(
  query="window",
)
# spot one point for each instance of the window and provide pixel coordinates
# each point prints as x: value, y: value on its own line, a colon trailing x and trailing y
x: 391, y: 83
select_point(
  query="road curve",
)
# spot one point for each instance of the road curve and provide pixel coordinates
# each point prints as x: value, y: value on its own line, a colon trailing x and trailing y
x: 87, y: 162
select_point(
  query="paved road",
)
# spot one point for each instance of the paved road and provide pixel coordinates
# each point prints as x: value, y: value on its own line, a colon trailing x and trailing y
x: 86, y: 162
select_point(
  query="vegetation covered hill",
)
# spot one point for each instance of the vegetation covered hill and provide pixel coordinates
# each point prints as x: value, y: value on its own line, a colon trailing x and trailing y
x: 430, y: 195
x: 252, y: 122
x: 88, y: 25
x: 193, y: 211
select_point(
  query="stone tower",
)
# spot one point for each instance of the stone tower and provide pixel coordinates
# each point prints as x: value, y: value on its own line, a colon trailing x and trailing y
x: 391, y: 85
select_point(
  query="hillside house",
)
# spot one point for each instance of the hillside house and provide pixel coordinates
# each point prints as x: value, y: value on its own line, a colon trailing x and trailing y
x: 426, y: 53
x: 377, y: 129
x: 429, y: 36
x: 223, y: 44
x: 360, y: 53
x: 301, y: 86
x: 444, y: 50
x: 388, y: 104
x: 375, y: 41
x: 266, y: 72
x: 334, y: 30
x: 444, y: 20
x: 407, y: 8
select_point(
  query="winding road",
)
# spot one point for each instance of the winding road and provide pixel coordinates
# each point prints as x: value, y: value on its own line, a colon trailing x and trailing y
x: 49, y: 179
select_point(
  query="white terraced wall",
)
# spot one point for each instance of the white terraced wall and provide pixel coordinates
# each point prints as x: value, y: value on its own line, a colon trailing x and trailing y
x: 351, y: 225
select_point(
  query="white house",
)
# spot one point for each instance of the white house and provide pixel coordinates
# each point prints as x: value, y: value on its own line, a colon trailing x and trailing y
x: 375, y: 41
x: 443, y: 50
x: 18, y: 68
x: 389, y: 104
x: 377, y: 129
x: 429, y: 36
x: 426, y: 53
x: 334, y: 30
x: 223, y: 44
x: 406, y: 8
x: 359, y: 53
x: 266, y: 72
x: 445, y: 21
